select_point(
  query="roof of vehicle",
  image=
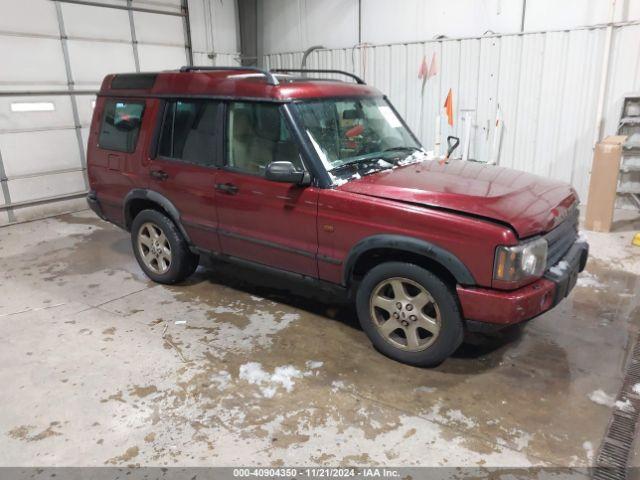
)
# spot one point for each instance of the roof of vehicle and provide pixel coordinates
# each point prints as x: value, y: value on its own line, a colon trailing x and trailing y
x: 233, y: 82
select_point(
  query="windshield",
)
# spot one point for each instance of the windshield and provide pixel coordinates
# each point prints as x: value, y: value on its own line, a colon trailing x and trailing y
x: 352, y: 133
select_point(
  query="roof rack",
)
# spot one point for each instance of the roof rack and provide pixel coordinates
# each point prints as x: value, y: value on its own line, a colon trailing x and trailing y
x: 271, y: 79
x: 269, y: 74
x: 308, y: 70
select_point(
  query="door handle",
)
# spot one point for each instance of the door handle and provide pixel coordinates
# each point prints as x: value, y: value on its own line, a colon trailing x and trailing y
x: 228, y: 188
x: 159, y: 174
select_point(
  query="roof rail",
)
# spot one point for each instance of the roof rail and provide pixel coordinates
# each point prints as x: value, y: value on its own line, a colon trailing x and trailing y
x: 308, y: 70
x: 271, y: 79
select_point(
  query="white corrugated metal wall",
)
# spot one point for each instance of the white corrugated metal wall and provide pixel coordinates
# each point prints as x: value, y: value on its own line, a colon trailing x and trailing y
x: 214, y: 32
x: 545, y: 83
x: 50, y: 47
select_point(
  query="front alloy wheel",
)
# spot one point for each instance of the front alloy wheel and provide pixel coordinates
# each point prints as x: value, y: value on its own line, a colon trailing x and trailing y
x: 405, y: 314
x: 409, y: 314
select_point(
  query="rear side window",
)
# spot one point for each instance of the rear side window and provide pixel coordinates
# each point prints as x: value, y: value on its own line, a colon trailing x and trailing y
x: 189, y: 131
x: 120, y: 125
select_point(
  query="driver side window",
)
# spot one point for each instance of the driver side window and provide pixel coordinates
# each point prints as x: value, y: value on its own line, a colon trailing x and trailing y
x: 258, y: 135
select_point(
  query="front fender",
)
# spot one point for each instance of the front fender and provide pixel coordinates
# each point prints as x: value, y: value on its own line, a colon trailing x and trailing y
x: 408, y: 244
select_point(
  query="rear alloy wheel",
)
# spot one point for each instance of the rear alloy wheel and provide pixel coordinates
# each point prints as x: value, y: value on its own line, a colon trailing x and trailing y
x: 154, y: 248
x: 409, y: 314
x: 160, y: 248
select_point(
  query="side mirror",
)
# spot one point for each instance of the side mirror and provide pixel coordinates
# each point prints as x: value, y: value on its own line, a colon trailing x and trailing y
x: 286, y: 172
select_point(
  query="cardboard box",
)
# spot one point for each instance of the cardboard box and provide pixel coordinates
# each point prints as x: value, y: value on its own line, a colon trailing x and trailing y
x: 604, y: 182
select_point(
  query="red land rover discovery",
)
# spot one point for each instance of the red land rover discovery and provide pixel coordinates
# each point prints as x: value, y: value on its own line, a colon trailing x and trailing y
x: 323, y: 179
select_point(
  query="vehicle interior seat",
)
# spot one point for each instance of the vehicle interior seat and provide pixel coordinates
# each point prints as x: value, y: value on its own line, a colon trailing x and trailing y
x: 287, y: 151
x: 182, y: 122
x: 267, y: 134
x: 243, y: 142
x: 257, y: 140
x: 200, y: 144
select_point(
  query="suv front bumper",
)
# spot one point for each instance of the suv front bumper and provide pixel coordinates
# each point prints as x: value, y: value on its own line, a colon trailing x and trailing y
x: 502, y: 308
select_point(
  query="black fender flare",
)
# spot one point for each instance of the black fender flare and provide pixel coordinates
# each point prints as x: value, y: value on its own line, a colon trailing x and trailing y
x: 155, y: 197
x: 408, y: 244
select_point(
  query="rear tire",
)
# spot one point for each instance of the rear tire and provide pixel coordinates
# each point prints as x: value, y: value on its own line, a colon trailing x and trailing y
x: 409, y: 314
x: 161, y: 250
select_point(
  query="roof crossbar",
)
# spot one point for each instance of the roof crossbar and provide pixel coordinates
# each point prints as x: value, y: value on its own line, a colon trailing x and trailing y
x: 271, y: 79
x: 309, y: 70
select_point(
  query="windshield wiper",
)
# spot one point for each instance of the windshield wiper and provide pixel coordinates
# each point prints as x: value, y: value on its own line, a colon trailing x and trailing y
x: 353, y: 162
x: 375, y: 157
x: 400, y: 149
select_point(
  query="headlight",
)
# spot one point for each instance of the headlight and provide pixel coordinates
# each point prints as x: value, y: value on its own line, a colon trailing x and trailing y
x: 513, y: 264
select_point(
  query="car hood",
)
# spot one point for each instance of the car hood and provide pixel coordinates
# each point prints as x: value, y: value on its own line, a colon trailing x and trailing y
x: 528, y: 203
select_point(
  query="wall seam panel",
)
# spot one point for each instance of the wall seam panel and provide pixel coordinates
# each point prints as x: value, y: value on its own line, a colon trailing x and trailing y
x: 72, y: 98
x: 134, y: 39
x: 5, y: 192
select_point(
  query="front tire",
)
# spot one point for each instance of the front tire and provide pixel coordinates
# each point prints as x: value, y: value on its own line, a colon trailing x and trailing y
x: 161, y: 250
x: 409, y: 314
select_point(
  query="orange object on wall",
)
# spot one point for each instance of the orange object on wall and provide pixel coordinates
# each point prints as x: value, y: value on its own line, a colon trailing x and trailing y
x: 448, y: 107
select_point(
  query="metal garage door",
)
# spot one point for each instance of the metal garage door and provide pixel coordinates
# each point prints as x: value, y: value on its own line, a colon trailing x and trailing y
x: 49, y: 49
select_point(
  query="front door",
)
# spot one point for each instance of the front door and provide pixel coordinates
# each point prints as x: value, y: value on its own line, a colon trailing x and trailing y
x: 184, y: 168
x: 267, y: 222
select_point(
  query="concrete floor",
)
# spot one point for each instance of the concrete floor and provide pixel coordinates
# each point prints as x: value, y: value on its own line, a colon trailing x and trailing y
x: 100, y: 366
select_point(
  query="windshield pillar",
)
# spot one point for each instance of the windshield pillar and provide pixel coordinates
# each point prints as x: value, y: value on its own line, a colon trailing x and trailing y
x: 321, y: 177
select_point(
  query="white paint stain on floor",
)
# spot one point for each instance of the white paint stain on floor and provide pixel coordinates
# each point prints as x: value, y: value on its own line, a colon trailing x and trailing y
x: 269, y: 383
x: 601, y: 398
x: 283, y: 377
x: 589, y: 280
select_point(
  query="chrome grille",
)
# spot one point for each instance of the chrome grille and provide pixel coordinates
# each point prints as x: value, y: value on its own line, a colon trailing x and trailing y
x: 562, y: 237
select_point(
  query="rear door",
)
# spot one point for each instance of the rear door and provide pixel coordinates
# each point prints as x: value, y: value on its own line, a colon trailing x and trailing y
x: 184, y: 167
x: 267, y: 222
